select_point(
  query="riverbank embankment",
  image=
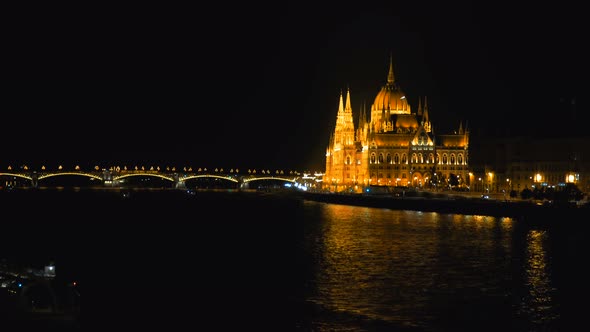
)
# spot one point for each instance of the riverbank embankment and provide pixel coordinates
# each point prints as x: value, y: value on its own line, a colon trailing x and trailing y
x: 456, y: 204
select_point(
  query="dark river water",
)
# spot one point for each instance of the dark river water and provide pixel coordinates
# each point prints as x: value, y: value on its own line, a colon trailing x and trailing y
x: 229, y: 261
x: 378, y: 269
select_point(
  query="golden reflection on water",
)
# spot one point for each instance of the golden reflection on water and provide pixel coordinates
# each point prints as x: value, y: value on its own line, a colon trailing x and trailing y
x: 388, y: 265
x: 538, y: 276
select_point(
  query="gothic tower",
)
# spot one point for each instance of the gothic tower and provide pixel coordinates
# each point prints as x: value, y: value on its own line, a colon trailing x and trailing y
x: 394, y: 147
x: 341, y: 151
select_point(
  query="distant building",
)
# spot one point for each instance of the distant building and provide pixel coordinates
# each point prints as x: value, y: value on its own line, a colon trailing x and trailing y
x: 393, y: 146
x: 533, y: 161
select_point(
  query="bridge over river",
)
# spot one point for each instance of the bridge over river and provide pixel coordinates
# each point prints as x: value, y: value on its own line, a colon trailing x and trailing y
x: 178, y: 178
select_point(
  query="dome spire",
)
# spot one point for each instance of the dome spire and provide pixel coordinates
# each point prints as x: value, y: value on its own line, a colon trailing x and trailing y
x: 425, y: 117
x: 390, y: 77
x: 425, y: 113
x: 419, y: 106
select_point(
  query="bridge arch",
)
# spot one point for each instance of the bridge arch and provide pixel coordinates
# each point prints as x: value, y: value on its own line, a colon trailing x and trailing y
x: 270, y: 178
x: 189, y: 177
x: 22, y: 176
x: 267, y: 182
x: 88, y: 175
x: 119, y: 177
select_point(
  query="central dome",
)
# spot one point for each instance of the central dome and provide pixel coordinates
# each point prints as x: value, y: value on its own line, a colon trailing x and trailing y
x: 391, y: 98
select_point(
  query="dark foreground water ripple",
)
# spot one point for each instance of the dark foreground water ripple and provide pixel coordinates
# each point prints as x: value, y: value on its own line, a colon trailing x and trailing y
x: 229, y: 261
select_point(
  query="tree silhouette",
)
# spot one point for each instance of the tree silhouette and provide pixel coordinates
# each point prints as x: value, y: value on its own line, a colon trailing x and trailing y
x: 526, y: 193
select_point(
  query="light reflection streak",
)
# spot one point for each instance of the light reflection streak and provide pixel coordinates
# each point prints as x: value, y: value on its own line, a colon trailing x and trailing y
x: 416, y: 269
x: 359, y: 263
x: 389, y: 265
x: 539, y: 299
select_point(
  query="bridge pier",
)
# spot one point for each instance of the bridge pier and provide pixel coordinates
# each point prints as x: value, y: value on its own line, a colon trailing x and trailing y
x: 107, y: 178
x: 178, y: 183
x: 35, y: 180
x: 243, y: 185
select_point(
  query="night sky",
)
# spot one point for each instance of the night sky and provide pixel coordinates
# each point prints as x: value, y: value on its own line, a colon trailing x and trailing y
x: 258, y: 86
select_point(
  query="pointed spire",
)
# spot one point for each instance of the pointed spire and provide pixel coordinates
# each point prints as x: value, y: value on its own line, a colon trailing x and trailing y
x: 363, y: 115
x: 348, y: 107
x: 419, y: 106
x: 425, y: 120
x: 390, y: 77
x: 461, y: 128
x: 341, y: 104
x: 425, y: 114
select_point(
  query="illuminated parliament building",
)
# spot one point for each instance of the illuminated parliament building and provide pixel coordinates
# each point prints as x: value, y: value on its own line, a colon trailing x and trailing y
x: 393, y: 146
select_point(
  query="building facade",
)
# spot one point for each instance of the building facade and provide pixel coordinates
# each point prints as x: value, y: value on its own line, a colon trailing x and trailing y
x: 533, y: 162
x: 393, y: 146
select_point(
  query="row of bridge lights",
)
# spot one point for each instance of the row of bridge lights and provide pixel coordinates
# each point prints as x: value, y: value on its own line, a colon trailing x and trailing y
x: 173, y: 169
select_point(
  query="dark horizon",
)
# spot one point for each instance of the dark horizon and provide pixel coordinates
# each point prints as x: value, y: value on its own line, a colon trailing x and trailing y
x: 259, y: 89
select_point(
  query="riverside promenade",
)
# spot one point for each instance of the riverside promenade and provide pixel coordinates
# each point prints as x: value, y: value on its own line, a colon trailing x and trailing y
x: 459, y: 204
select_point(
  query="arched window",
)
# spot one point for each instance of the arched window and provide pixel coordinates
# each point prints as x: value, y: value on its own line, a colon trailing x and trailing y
x: 431, y: 158
x: 460, y: 159
x: 347, y: 160
x: 404, y: 158
x: 388, y: 158
x: 444, y: 160
x: 381, y: 158
x: 452, y: 159
x: 373, y: 158
x: 420, y: 158
x: 414, y: 158
x: 396, y: 159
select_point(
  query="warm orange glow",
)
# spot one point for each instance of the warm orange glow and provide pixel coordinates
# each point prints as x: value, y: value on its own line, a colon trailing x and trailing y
x: 537, y: 269
x: 538, y: 177
x: 391, y: 138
